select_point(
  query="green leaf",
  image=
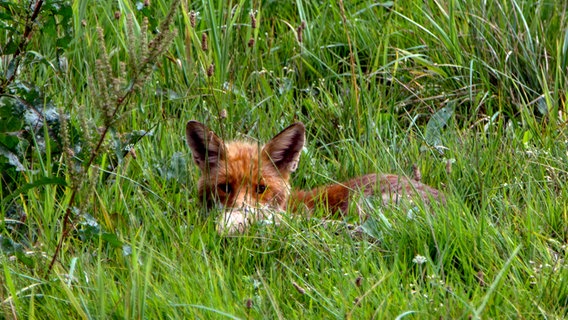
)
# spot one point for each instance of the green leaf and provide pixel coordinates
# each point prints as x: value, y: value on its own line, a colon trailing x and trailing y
x: 91, y: 231
x: 111, y: 239
x: 8, y: 141
x: 527, y: 137
x: 12, y: 159
x: 177, y: 170
x: 9, y: 247
x: 23, y: 258
x: 37, y: 183
x: 10, y: 124
x: 434, y: 127
x: 64, y: 41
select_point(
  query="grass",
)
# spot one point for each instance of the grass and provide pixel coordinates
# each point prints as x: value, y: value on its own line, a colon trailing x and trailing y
x: 141, y: 247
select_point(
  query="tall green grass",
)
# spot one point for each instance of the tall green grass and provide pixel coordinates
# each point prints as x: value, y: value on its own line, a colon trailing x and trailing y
x: 140, y: 245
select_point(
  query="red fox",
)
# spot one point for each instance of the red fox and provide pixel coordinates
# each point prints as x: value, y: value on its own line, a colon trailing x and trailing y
x: 251, y: 182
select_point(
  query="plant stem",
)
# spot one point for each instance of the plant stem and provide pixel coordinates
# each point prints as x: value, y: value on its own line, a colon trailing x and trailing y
x: 21, y: 47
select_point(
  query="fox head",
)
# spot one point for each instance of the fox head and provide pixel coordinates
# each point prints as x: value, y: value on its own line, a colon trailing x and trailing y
x: 243, y: 177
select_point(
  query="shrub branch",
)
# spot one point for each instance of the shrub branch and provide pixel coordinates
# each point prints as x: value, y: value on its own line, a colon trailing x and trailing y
x: 112, y: 99
x: 22, y: 45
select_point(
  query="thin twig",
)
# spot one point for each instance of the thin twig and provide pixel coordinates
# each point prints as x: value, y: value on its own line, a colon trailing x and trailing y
x: 94, y: 153
x: 22, y: 46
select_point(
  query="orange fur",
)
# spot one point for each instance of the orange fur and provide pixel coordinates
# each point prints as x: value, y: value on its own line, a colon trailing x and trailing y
x: 245, y: 178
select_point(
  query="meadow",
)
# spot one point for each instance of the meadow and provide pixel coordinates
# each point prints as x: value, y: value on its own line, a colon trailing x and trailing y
x: 99, y: 214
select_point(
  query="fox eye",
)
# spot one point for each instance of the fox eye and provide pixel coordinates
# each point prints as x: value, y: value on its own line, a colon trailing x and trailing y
x: 225, y: 187
x: 260, y: 188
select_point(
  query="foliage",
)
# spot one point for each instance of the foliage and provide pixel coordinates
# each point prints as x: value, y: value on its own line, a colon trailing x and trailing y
x: 98, y: 210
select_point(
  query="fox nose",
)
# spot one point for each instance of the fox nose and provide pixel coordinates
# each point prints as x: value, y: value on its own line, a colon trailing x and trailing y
x: 243, y: 199
x: 235, y: 220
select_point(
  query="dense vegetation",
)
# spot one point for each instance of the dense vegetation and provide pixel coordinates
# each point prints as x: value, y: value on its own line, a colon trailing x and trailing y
x: 99, y: 216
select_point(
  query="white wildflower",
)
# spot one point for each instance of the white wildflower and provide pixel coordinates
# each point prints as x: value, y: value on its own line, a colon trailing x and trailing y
x: 419, y: 259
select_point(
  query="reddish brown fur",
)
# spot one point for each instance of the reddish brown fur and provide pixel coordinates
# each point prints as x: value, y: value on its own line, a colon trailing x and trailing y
x: 243, y: 171
x: 392, y: 188
x: 242, y: 174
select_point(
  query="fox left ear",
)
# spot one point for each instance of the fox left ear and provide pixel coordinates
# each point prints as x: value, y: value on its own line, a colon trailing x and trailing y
x: 285, y: 148
x: 207, y: 148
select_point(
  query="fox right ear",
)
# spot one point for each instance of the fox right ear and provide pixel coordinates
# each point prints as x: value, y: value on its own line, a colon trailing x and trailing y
x: 206, y: 146
x: 285, y: 148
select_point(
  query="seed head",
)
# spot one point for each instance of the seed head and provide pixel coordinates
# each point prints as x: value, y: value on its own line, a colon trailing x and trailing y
x: 204, y: 41
x: 252, y: 20
x: 211, y: 70
x: 192, y: 18
x: 298, y: 288
x: 449, y: 166
x: 358, y: 281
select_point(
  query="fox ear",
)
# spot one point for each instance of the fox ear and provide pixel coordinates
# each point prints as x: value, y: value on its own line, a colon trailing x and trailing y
x: 206, y: 146
x: 285, y: 148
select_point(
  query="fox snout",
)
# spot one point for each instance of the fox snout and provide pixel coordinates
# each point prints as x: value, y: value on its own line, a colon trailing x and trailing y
x: 244, y: 206
x: 234, y: 221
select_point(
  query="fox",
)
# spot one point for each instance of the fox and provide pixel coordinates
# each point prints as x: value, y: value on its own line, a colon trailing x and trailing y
x: 251, y: 182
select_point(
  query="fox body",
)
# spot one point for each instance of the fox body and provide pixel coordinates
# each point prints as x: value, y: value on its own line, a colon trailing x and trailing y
x: 251, y: 182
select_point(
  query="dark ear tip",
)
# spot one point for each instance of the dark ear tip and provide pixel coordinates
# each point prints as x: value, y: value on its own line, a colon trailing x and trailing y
x: 299, y: 125
x: 192, y: 124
